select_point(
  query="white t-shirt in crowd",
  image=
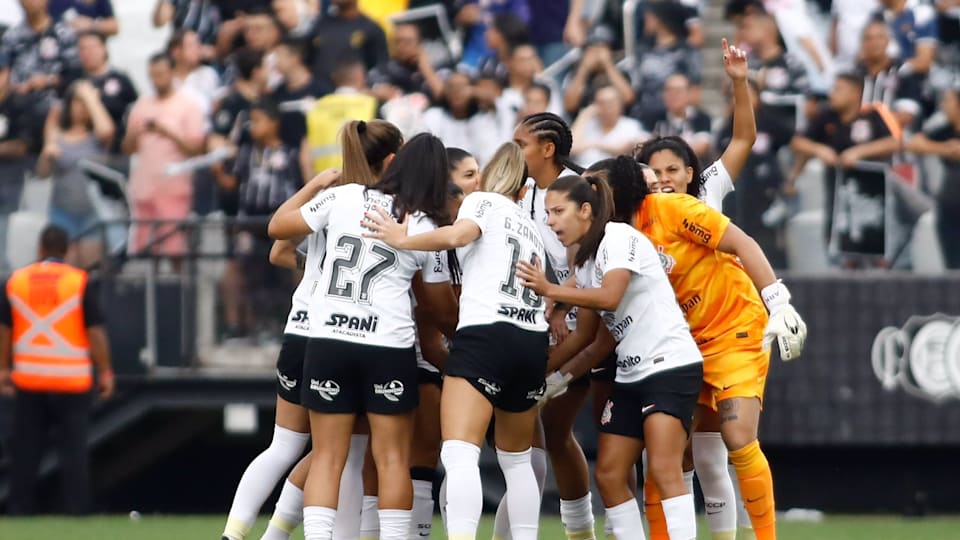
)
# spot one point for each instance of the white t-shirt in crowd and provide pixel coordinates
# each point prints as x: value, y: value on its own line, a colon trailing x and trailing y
x: 651, y: 332
x: 626, y: 131
x: 364, y: 291
x: 298, y: 321
x: 480, y: 134
x: 492, y: 292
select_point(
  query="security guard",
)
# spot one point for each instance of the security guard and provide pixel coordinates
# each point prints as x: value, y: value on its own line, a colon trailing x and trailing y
x: 51, y: 337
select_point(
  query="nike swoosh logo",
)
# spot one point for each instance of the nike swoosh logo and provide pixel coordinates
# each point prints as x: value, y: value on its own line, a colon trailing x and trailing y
x: 647, y: 408
x: 713, y: 513
x: 755, y: 500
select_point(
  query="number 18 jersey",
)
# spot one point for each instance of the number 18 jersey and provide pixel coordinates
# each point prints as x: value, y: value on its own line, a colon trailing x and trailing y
x: 491, y: 291
x: 363, y: 295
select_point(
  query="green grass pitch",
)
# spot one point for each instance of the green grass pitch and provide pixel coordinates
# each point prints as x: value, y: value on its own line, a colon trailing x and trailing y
x: 166, y: 527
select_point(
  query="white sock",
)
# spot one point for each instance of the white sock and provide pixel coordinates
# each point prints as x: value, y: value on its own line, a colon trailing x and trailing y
x: 350, y: 499
x: 287, y: 514
x: 607, y: 526
x: 261, y: 477
x: 625, y: 522
x: 501, y: 521
x: 442, y: 501
x: 681, y: 517
x: 710, y: 460
x: 523, y: 493
x: 688, y: 481
x: 318, y: 523
x: 370, y: 518
x: 743, y: 517
x: 577, y: 517
x: 394, y: 524
x: 421, y: 519
x: 464, y: 491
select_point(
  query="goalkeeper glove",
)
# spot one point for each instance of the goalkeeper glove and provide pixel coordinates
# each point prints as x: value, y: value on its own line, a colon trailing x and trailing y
x: 784, y: 325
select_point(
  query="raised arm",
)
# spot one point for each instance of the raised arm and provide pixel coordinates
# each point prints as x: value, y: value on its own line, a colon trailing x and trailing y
x: 735, y: 156
x: 287, y: 222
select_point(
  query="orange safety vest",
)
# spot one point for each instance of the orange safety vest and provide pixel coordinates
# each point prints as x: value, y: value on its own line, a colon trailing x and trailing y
x: 51, y: 351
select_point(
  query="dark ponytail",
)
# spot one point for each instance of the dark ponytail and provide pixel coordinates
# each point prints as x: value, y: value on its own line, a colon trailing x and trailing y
x: 626, y: 180
x: 550, y: 127
x: 593, y: 190
x: 682, y: 150
x: 417, y: 178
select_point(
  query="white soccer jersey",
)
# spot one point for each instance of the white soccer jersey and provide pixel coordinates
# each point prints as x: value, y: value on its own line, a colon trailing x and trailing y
x: 492, y: 291
x: 534, y: 204
x: 298, y: 322
x: 717, y: 183
x: 364, y: 291
x: 651, y: 333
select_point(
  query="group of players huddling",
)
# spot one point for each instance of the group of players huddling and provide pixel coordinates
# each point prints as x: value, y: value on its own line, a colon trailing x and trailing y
x: 441, y: 307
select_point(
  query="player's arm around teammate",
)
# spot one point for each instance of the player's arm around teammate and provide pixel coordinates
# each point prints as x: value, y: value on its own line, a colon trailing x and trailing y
x: 498, y: 360
x: 658, y: 365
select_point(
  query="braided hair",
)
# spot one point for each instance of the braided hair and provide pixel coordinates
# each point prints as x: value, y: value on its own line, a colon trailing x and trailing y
x: 550, y: 127
x: 626, y: 180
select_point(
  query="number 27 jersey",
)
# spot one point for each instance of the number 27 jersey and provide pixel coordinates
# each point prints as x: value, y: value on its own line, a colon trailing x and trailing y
x: 363, y: 295
x: 491, y: 291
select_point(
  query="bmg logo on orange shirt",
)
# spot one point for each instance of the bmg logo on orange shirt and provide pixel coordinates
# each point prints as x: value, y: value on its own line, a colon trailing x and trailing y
x: 698, y: 230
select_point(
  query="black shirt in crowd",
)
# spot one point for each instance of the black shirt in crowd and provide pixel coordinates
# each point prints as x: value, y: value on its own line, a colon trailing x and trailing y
x: 827, y: 128
x: 293, y: 122
x: 266, y: 177
x: 334, y: 38
x: 117, y: 94
x: 949, y: 196
x: 12, y: 169
x: 663, y: 124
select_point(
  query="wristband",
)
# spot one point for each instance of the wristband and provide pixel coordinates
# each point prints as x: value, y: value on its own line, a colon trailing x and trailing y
x: 775, y: 296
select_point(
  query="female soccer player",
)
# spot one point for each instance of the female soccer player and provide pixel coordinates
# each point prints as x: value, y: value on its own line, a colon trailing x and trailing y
x: 464, y: 170
x: 659, y: 369
x: 546, y: 141
x: 699, y: 249
x: 677, y: 170
x: 367, y: 148
x: 496, y: 366
x: 360, y: 357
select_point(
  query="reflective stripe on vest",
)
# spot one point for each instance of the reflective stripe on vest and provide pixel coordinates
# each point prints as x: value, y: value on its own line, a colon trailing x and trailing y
x: 50, y: 348
x: 326, y: 118
x: 43, y: 326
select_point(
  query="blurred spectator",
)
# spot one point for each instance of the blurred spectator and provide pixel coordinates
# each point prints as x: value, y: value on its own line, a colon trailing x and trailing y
x: 350, y: 101
x: 681, y: 118
x: 536, y: 99
x: 777, y: 72
x: 230, y: 116
x: 943, y: 141
x: 601, y: 130
x: 13, y: 156
x: 799, y: 34
x: 595, y: 70
x: 162, y: 129
x: 693, y: 23
x: 841, y: 135
x: 265, y: 173
x: 505, y: 34
x: 11, y: 14
x: 297, y: 16
x: 664, y: 53
x: 914, y: 28
x: 189, y: 75
x: 297, y: 92
x: 522, y: 71
x: 347, y: 32
x: 459, y: 121
x: 116, y: 90
x: 86, y: 15
x: 84, y: 131
x: 559, y: 25
x: 409, y: 69
x: 761, y: 180
x: 848, y: 18
x: 473, y: 16
x: 43, y: 59
x: 887, y: 81
x: 201, y: 16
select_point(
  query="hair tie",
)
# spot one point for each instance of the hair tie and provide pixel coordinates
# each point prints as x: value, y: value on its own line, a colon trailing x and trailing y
x: 361, y: 127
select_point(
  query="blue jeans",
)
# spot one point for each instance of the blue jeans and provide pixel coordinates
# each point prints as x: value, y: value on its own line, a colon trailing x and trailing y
x: 74, y: 224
